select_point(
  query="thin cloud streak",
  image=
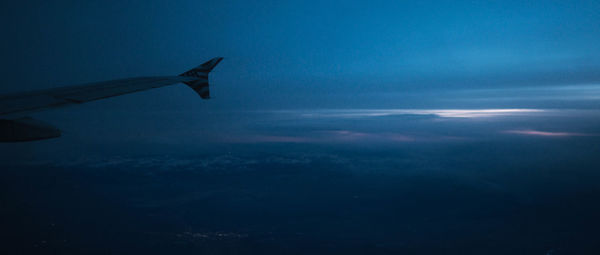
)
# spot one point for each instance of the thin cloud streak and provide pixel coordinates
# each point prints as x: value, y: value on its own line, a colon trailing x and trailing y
x: 443, y: 113
x: 530, y: 132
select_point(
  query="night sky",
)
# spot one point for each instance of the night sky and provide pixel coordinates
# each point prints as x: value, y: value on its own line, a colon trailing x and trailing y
x: 354, y: 127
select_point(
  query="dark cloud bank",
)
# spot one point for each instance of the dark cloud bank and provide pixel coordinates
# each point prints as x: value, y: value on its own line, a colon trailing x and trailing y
x: 482, y: 182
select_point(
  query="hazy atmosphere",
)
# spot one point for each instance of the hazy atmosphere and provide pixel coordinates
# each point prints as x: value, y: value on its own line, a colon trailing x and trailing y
x: 380, y: 127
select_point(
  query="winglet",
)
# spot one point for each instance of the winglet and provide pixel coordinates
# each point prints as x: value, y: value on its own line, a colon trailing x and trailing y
x: 200, y: 85
x: 204, y: 69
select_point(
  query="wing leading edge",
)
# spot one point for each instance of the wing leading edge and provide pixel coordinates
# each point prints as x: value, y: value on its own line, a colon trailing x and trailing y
x: 196, y: 79
x: 13, y: 105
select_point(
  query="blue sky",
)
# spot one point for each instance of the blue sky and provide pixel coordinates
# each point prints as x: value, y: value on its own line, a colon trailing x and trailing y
x: 297, y: 53
x: 303, y: 55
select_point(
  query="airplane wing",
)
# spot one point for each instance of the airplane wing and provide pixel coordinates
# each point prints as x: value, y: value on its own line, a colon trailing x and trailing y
x: 11, y: 104
x: 196, y: 78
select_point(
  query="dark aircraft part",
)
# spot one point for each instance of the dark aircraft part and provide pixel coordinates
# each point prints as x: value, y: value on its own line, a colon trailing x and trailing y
x: 200, y: 85
x: 26, y: 129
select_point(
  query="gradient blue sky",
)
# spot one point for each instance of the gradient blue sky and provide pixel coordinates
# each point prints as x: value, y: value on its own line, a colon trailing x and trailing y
x: 308, y: 55
x: 298, y: 54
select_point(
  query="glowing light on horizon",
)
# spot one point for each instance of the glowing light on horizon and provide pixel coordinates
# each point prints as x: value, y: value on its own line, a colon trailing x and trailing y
x: 444, y: 113
x: 483, y: 113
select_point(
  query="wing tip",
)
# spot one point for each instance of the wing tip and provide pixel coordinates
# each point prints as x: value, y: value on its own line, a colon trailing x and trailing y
x: 203, y: 69
x: 201, y: 85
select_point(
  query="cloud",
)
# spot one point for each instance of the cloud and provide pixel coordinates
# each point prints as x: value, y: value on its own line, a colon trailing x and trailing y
x: 531, y: 132
x: 485, y: 113
x: 518, y: 95
x: 443, y: 113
